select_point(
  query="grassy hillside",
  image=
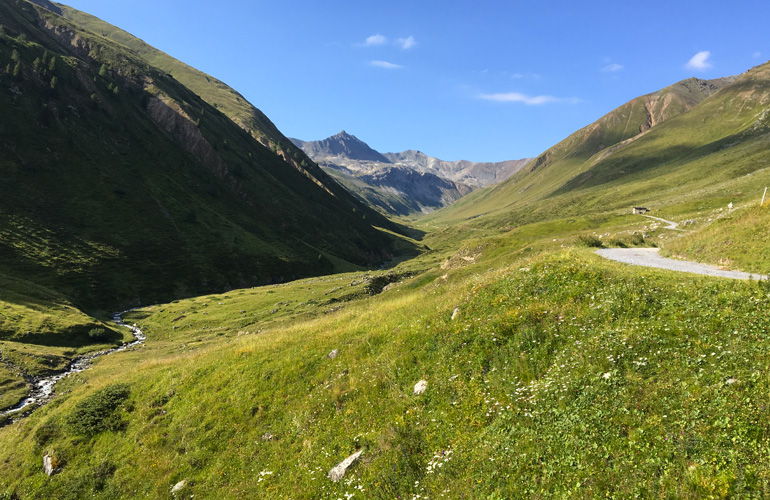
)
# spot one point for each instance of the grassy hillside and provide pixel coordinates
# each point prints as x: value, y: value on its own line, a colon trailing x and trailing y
x: 222, y: 97
x: 550, y: 372
x: 712, y: 147
x: 579, y: 376
x: 735, y: 239
x: 125, y: 187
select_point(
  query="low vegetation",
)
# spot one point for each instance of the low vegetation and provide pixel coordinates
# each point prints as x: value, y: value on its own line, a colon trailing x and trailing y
x: 733, y: 238
x: 561, y: 374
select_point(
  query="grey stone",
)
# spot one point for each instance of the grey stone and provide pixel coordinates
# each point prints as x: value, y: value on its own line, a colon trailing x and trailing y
x: 338, y: 471
x: 178, y: 486
x: 49, y: 463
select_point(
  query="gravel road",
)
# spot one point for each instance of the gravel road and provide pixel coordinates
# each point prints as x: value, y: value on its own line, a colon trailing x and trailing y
x: 648, y: 257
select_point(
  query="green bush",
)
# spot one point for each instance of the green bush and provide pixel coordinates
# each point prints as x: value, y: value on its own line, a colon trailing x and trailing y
x: 98, y: 333
x: 588, y: 241
x: 99, y: 411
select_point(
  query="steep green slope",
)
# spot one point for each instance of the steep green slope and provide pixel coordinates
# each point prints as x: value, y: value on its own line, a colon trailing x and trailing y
x: 657, y: 148
x: 216, y: 93
x: 124, y: 187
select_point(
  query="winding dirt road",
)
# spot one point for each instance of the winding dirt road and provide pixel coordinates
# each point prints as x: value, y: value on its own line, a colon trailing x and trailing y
x: 648, y: 257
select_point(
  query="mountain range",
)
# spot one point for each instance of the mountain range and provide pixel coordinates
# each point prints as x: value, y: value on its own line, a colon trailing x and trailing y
x: 406, y: 182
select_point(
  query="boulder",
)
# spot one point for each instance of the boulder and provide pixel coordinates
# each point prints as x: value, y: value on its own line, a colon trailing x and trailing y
x: 50, y: 465
x: 420, y: 387
x: 338, y: 472
x: 455, y: 313
x: 178, y: 486
x: 332, y: 354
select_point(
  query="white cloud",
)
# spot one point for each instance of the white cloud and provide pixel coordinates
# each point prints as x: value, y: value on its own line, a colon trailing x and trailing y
x: 612, y: 68
x: 375, y: 40
x: 757, y: 55
x: 700, y: 61
x: 385, y: 65
x: 406, y: 43
x: 517, y: 97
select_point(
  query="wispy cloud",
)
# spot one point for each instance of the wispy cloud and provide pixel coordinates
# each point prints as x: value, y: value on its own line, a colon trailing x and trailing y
x: 406, y: 43
x: 757, y: 55
x: 379, y: 40
x: 612, y: 68
x: 375, y: 40
x: 385, y: 65
x: 700, y: 61
x: 518, y: 97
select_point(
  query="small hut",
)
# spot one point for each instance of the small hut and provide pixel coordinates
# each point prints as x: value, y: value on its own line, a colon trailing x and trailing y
x: 640, y: 210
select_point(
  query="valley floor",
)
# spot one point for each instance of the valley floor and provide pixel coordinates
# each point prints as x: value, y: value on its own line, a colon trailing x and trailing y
x: 550, y: 372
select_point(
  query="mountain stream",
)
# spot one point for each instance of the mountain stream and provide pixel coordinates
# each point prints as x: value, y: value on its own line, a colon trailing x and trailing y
x: 43, y: 389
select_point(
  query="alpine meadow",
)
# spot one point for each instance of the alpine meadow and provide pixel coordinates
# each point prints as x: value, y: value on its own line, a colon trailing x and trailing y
x: 192, y: 307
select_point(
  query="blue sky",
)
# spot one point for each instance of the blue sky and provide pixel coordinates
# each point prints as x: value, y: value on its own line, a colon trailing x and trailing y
x: 475, y: 80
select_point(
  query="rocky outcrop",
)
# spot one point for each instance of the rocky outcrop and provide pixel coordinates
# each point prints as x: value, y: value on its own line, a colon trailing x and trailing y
x: 338, y: 471
x: 174, y: 120
x: 51, y: 465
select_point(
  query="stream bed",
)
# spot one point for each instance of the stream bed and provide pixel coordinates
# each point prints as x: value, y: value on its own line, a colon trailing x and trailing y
x: 43, y: 388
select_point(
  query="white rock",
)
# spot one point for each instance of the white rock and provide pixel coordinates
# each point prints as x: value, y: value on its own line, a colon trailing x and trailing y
x: 48, y: 467
x: 455, y: 313
x: 332, y: 354
x: 338, y: 472
x: 420, y: 387
x: 178, y: 486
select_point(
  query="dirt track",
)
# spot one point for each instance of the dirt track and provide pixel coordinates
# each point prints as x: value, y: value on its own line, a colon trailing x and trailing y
x: 648, y: 257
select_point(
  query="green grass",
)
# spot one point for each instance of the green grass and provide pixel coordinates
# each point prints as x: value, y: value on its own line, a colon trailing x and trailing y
x: 731, y: 238
x: 561, y: 368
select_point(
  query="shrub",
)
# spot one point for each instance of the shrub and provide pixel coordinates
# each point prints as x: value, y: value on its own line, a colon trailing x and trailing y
x: 98, y: 333
x: 99, y: 411
x: 589, y: 241
x: 46, y: 432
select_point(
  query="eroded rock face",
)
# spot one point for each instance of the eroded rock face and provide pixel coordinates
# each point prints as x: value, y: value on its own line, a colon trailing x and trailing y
x: 338, y: 472
x: 174, y: 120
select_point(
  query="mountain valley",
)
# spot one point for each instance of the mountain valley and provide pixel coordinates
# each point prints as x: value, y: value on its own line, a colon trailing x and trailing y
x: 323, y: 320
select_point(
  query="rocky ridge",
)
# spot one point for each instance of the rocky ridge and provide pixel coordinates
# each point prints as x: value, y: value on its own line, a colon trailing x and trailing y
x: 405, y: 182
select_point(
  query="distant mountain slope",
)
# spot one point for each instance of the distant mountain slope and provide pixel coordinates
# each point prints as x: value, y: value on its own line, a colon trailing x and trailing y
x: 342, y: 145
x: 473, y: 174
x: 123, y: 186
x: 402, y: 183
x: 696, y: 138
